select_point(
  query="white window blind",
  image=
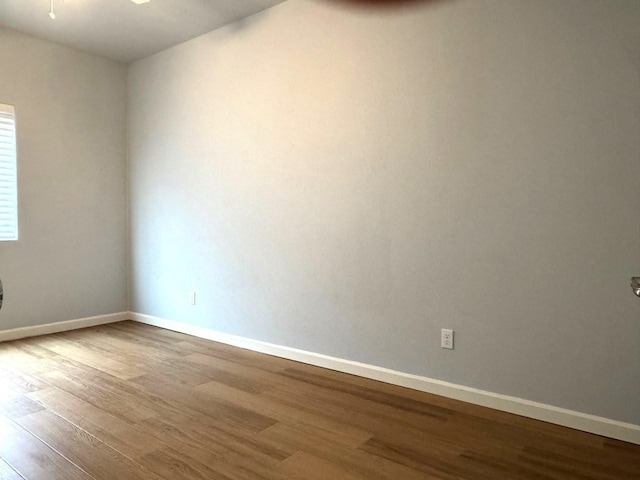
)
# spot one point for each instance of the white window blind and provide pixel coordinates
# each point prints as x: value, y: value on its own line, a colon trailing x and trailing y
x: 8, y: 174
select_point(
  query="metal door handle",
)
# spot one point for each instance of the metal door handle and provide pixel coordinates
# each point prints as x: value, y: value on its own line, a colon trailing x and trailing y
x: 635, y: 285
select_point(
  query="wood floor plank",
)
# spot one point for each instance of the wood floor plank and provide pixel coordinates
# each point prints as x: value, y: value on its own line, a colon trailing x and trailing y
x: 300, y: 439
x: 19, y: 381
x: 170, y: 464
x: 189, y: 345
x: 146, y: 338
x: 15, y: 405
x: 123, y: 399
x: 215, y: 440
x: 152, y: 335
x: 313, y: 468
x: 146, y: 449
x: 119, y: 406
x: 119, y: 435
x: 283, y: 412
x: 433, y: 460
x: 31, y: 458
x: 132, y: 402
x: 265, y: 377
x: 358, y: 412
x: 195, y: 445
x: 371, y: 395
x: 14, y: 358
x: 187, y: 449
x: 483, y: 466
x: 88, y: 452
x: 534, y: 427
x: 196, y: 403
x: 101, y: 338
x: 292, y: 435
x: 128, y: 401
x: 588, y: 468
x: 8, y: 473
x: 93, y: 359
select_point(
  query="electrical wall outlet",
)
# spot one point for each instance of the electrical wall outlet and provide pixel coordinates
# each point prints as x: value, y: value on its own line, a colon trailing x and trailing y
x: 192, y: 298
x: 446, y: 339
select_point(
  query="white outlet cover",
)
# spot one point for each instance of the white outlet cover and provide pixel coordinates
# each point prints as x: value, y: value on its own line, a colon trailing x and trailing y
x: 446, y: 339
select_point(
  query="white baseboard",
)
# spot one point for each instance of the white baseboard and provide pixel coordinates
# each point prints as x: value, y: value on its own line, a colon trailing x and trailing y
x: 24, y: 332
x: 580, y: 421
x: 539, y: 411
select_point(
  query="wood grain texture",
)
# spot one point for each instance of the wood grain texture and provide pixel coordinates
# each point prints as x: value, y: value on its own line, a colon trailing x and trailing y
x: 33, y: 459
x: 134, y: 402
x: 8, y: 473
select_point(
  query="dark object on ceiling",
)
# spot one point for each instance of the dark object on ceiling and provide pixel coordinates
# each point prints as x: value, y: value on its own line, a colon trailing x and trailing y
x: 388, y: 4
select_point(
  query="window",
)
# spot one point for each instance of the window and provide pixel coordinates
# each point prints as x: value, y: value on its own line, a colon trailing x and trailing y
x: 8, y: 174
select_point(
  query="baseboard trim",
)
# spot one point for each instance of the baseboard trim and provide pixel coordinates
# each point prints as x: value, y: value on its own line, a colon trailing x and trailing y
x: 580, y: 421
x: 36, y: 330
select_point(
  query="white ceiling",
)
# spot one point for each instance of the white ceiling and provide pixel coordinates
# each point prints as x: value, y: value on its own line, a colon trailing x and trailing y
x: 120, y: 29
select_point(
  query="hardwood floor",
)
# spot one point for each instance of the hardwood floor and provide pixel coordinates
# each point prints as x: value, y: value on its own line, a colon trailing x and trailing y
x: 132, y: 402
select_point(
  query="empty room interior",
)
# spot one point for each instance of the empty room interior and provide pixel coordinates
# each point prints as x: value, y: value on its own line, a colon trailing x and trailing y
x: 319, y: 239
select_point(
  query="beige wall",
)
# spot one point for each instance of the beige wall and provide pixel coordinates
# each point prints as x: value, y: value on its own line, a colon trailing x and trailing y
x: 70, y: 260
x: 349, y: 182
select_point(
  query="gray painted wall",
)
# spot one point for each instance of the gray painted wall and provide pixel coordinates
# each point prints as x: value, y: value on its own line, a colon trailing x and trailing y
x: 349, y: 182
x: 70, y: 260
